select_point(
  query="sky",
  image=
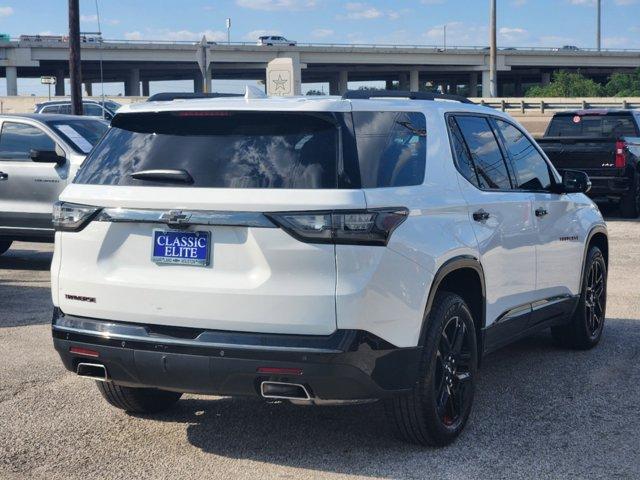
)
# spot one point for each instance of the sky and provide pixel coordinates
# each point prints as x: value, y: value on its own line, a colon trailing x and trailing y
x: 532, y: 23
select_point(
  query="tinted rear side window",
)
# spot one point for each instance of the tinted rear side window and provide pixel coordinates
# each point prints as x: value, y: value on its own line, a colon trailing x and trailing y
x: 590, y: 125
x: 485, y: 152
x: 220, y: 149
x: 392, y: 148
x: 461, y: 154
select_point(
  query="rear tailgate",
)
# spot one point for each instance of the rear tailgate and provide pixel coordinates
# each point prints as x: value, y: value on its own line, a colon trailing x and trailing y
x: 596, y: 156
x: 181, y: 237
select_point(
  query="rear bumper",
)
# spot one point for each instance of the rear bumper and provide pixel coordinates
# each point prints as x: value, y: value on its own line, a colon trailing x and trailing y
x: 609, y: 187
x: 347, y: 365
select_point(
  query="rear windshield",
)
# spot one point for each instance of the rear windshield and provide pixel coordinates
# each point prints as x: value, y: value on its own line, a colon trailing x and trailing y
x: 604, y: 126
x: 238, y: 149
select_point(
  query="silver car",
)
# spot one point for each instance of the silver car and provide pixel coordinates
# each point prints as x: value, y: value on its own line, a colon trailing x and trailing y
x: 91, y: 108
x: 39, y: 156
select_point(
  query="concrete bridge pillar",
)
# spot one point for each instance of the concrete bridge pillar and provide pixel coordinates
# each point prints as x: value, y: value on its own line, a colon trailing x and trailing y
x: 473, y: 84
x: 145, y: 88
x: 343, y: 82
x: 132, y: 84
x: 486, y: 84
x: 414, y: 81
x: 198, y: 83
x: 546, y: 79
x: 12, y: 81
x: 60, y: 83
x: 333, y: 85
x: 88, y: 87
x: 403, y: 78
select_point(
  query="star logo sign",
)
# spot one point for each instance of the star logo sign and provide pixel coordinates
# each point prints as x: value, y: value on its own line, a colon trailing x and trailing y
x: 280, y: 83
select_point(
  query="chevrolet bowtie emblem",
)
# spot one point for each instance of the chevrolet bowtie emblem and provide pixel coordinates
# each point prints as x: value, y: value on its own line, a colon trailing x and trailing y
x: 175, y: 217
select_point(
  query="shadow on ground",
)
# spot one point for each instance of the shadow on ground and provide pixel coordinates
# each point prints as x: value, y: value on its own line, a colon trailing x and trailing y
x: 534, y: 400
x: 25, y: 259
x: 25, y: 286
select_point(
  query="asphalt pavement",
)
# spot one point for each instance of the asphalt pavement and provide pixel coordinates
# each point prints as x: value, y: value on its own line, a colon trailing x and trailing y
x: 540, y: 411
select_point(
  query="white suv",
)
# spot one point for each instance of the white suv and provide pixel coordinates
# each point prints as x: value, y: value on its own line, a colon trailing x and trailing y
x: 320, y: 250
x: 270, y: 40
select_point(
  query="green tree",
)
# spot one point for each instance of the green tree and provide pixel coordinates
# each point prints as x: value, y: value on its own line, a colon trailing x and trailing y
x: 315, y: 92
x: 567, y: 84
x: 623, y: 85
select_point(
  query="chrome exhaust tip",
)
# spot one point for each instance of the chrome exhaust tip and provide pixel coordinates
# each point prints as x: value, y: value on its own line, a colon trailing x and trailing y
x: 284, y: 391
x: 94, y: 371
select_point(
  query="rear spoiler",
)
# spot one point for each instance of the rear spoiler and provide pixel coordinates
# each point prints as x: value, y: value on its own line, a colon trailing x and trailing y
x: 169, y: 96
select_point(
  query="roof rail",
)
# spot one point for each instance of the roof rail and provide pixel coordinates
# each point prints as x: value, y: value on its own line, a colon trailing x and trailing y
x: 367, y: 94
x: 168, y: 96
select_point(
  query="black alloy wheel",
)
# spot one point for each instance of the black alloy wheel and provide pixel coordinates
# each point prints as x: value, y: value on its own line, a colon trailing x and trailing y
x: 453, y: 372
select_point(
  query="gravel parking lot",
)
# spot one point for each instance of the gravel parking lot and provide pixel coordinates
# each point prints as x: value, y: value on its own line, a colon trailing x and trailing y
x: 540, y: 411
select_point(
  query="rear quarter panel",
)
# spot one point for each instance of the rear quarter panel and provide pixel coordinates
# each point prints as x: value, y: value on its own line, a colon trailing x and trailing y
x: 384, y: 290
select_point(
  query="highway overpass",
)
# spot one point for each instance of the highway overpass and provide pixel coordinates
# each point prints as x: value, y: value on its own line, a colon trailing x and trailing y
x: 138, y: 63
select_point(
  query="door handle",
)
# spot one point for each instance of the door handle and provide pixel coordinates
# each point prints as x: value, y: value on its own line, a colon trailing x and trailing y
x: 541, y: 212
x: 481, y: 215
x: 4, y: 176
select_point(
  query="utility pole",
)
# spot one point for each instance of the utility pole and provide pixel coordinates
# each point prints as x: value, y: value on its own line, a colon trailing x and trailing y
x: 493, y: 67
x: 75, y: 73
x: 599, y: 24
x: 228, y: 31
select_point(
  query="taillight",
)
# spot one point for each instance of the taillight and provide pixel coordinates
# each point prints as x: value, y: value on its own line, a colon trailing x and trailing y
x: 621, y: 156
x: 72, y: 217
x: 368, y: 227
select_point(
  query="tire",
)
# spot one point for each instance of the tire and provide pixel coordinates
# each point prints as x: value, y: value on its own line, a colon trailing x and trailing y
x: 584, y: 330
x: 137, y: 400
x: 630, y: 203
x: 430, y: 414
x: 4, y: 246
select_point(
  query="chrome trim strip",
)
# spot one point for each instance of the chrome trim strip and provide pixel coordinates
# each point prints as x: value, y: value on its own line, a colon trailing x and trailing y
x: 532, y: 307
x: 547, y: 302
x: 136, y: 333
x: 191, y: 217
x: 29, y: 228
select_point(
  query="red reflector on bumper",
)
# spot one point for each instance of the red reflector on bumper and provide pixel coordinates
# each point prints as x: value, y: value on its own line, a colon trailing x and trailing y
x: 84, y: 351
x: 280, y: 371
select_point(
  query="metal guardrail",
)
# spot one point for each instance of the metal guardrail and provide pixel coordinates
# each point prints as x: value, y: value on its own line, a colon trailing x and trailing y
x: 438, y: 48
x: 542, y: 105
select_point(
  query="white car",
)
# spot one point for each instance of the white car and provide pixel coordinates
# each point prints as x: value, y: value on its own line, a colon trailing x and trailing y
x: 322, y: 250
x: 270, y: 40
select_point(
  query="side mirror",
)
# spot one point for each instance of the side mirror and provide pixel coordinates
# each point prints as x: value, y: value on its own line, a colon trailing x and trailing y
x: 46, y: 156
x: 575, y: 181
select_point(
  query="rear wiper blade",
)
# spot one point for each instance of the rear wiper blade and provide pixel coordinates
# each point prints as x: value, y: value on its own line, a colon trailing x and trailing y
x: 163, y: 175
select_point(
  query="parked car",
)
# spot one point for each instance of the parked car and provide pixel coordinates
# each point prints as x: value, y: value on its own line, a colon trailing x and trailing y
x: 92, y: 108
x: 605, y: 144
x: 276, y: 40
x: 39, y: 155
x: 320, y: 250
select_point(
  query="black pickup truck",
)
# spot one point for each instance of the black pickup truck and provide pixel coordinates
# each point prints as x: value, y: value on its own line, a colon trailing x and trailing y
x: 606, y: 145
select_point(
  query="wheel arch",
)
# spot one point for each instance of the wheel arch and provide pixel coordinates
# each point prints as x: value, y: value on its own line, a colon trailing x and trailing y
x: 598, y: 237
x: 462, y: 275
